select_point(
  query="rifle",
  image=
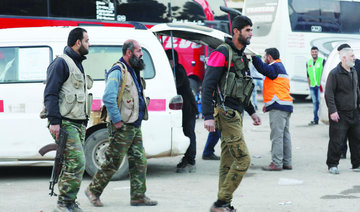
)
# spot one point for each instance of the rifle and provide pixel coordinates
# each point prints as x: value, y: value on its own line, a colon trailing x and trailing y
x: 59, y: 146
x: 221, y: 98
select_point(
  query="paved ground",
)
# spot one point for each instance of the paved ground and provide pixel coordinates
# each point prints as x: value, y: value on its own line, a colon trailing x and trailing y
x: 308, y: 187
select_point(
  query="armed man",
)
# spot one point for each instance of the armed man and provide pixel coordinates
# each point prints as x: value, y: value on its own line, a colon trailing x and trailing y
x: 226, y: 76
x: 67, y: 107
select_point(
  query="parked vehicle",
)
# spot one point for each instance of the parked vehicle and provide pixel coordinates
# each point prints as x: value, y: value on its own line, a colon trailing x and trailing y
x: 33, y: 13
x: 25, y: 54
x: 294, y: 26
x: 331, y: 62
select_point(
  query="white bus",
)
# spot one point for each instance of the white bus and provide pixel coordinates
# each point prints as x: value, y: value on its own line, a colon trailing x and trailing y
x: 294, y: 26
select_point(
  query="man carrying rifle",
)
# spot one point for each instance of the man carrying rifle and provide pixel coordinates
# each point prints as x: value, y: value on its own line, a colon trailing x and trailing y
x: 226, y: 75
x: 67, y: 107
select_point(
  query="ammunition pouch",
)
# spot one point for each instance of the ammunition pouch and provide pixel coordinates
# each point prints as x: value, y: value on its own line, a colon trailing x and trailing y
x: 240, y: 88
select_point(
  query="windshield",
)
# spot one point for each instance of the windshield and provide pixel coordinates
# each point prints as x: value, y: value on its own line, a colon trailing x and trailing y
x: 336, y: 16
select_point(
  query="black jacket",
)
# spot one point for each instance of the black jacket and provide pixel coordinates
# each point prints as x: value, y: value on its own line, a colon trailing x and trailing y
x: 342, y: 91
x: 217, y: 65
x: 57, y: 74
x: 183, y: 88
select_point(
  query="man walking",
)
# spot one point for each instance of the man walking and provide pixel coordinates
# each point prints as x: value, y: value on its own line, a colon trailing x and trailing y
x: 314, y: 68
x: 342, y: 99
x: 279, y: 103
x: 230, y: 103
x: 66, y: 80
x: 126, y: 109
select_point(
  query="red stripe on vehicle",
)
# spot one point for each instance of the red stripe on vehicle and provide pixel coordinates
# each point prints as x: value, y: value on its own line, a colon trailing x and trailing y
x: 157, y: 105
x: 96, y: 105
x: 1, y: 106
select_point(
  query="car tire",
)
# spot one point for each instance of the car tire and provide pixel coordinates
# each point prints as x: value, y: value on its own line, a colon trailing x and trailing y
x: 95, y: 147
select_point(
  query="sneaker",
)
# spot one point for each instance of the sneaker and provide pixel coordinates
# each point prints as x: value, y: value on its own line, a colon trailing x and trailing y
x: 61, y: 207
x: 356, y: 169
x: 146, y: 201
x: 272, y: 167
x: 185, y: 166
x: 223, y: 208
x: 334, y: 170
x: 313, y: 123
x: 94, y: 199
x: 211, y: 157
x: 71, y: 207
x: 287, y: 167
x: 75, y: 207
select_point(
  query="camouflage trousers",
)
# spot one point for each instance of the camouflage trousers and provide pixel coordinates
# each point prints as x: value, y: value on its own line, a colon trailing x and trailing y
x: 125, y: 140
x: 235, y: 159
x: 74, y: 162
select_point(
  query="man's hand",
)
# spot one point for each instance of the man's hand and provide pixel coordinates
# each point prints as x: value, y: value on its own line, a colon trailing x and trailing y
x: 335, y: 117
x: 55, y: 130
x: 118, y: 124
x: 256, y: 119
x: 264, y: 109
x: 209, y: 125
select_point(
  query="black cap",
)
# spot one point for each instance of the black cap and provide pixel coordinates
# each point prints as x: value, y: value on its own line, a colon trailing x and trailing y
x: 343, y: 46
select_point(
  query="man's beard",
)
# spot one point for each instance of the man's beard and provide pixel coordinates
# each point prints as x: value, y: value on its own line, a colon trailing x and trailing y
x: 243, y: 40
x: 350, y: 64
x: 136, y: 63
x: 83, y: 51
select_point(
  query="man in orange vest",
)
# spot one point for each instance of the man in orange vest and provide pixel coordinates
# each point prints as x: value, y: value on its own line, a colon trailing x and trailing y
x: 278, y: 102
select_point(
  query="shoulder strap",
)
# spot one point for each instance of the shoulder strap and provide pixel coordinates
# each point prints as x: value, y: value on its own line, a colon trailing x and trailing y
x: 123, y: 83
x: 228, y: 47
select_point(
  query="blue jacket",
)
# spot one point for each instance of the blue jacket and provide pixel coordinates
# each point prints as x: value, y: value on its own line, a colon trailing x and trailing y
x: 111, y: 94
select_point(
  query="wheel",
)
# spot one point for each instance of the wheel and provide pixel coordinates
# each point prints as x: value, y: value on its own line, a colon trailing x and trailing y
x: 299, y: 97
x: 95, y: 147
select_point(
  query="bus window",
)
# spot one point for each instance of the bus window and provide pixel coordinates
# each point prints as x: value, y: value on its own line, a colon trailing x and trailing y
x: 101, y: 58
x: 24, y: 64
x: 262, y: 13
x: 324, y: 16
x: 23, y: 7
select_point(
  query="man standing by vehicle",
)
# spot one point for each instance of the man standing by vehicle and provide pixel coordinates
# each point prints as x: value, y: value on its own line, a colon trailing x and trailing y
x: 230, y: 103
x: 67, y: 106
x: 314, y: 68
x: 342, y: 99
x: 279, y: 103
x: 189, y: 111
x: 126, y: 106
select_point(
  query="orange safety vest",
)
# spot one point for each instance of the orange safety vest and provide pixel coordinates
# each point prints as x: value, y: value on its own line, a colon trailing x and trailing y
x: 277, y: 90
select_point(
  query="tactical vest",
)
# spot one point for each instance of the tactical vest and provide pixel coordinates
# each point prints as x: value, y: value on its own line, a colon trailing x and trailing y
x: 74, y: 101
x: 235, y: 83
x: 315, y: 71
x: 129, y: 101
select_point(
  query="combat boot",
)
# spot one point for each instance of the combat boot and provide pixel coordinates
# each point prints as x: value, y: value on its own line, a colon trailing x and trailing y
x: 145, y: 201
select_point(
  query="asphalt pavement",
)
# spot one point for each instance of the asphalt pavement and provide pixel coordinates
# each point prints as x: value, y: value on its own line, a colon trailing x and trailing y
x: 308, y: 187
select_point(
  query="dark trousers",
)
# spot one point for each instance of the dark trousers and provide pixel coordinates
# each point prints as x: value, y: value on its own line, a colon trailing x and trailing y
x: 189, y: 131
x: 211, y: 141
x: 348, y: 126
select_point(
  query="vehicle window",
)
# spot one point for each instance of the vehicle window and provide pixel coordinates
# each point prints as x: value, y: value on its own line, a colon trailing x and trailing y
x: 262, y: 13
x: 24, y: 64
x: 27, y: 8
x: 101, y: 59
x: 324, y: 16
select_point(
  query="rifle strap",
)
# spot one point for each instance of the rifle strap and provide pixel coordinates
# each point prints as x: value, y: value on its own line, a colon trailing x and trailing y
x: 124, y: 72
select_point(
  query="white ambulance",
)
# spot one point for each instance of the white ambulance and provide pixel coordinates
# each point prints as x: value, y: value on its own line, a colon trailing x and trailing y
x: 25, y: 54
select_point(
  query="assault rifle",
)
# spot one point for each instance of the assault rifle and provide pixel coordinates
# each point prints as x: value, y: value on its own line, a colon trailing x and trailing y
x: 222, y: 100
x: 59, y: 146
